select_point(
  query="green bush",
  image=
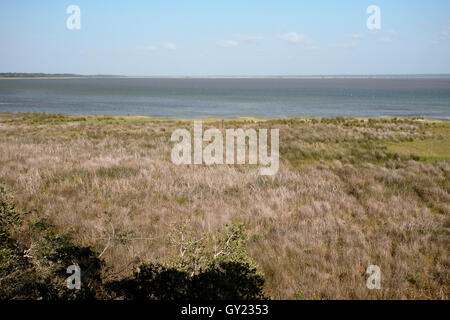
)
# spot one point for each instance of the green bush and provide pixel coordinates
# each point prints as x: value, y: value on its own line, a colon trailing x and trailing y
x: 36, y: 268
x: 202, y: 271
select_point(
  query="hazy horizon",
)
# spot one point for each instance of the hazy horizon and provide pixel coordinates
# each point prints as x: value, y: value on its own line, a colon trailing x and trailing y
x: 235, y: 75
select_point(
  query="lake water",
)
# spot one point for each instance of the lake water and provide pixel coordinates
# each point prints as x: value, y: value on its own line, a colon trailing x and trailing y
x: 261, y: 97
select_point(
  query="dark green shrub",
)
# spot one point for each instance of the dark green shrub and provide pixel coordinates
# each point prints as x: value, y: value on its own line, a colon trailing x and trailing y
x: 36, y: 269
x: 34, y: 266
x: 201, y: 272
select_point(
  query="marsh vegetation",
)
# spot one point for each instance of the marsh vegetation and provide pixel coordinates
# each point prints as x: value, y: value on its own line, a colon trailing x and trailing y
x: 349, y: 193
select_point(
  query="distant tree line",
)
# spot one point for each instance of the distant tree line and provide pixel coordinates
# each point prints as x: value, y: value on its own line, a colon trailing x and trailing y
x: 48, y: 75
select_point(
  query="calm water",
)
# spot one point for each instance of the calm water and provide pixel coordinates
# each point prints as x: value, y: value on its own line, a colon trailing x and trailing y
x: 190, y: 98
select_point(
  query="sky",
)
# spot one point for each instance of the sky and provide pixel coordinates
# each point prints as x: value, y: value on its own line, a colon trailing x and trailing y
x: 225, y: 37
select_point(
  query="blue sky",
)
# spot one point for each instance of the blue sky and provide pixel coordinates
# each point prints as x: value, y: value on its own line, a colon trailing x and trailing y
x: 218, y: 37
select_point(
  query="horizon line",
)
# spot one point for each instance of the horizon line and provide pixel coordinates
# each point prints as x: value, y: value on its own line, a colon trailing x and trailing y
x: 10, y: 75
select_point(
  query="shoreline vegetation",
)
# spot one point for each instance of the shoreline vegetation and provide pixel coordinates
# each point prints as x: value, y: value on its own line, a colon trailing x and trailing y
x: 18, y: 75
x: 102, y: 191
x: 15, y: 75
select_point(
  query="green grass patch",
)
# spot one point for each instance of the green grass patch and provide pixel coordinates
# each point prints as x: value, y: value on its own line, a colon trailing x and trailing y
x: 436, y: 149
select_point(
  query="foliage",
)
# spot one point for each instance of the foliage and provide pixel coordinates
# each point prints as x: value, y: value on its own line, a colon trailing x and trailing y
x: 36, y: 269
x: 201, y: 271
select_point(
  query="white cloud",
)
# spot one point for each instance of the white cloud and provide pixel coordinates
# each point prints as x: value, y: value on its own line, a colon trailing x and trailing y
x: 384, y: 39
x: 443, y: 35
x: 345, y: 45
x: 384, y: 36
x: 293, y: 37
x: 252, y: 38
x: 394, y: 33
x: 168, y: 45
x: 150, y: 48
x: 161, y: 45
x: 227, y: 43
x: 357, y: 36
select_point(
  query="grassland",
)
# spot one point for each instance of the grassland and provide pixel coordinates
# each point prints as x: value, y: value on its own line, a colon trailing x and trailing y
x: 349, y: 193
x: 434, y: 149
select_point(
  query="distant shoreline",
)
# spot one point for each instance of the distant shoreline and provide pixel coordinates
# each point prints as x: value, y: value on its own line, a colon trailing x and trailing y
x: 76, y: 76
x: 212, y: 119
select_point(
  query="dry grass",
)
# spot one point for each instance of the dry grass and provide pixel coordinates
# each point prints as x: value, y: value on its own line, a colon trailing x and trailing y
x: 341, y: 201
